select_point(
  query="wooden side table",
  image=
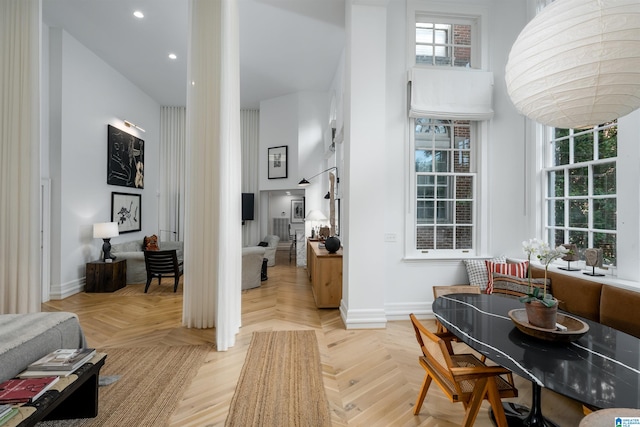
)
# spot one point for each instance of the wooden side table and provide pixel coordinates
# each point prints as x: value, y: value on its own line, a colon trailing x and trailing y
x: 106, y: 276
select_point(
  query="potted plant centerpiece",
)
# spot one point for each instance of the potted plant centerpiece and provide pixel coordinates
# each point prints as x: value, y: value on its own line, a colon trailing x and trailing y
x: 541, y: 307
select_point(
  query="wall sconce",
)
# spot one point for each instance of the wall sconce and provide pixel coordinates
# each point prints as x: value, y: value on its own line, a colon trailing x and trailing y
x: 305, y: 182
x: 128, y: 124
x: 105, y: 231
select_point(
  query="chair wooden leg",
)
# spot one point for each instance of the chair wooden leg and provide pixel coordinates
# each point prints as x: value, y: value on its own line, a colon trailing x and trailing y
x: 496, y: 402
x: 147, y: 285
x: 159, y: 279
x: 423, y: 393
x: 175, y: 283
x: 475, y: 401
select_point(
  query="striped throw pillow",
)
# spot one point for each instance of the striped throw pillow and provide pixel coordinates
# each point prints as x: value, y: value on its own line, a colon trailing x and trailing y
x: 517, y: 286
x: 518, y: 270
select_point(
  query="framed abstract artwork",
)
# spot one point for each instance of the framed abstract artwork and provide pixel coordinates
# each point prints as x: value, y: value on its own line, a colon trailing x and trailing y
x: 125, y: 159
x: 277, y: 162
x: 126, y: 210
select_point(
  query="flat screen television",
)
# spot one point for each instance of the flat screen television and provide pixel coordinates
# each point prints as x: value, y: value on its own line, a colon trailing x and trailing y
x: 247, y: 206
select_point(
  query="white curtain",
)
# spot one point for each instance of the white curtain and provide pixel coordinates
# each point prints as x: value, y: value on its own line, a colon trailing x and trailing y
x: 213, y: 231
x: 172, y: 147
x: 19, y: 156
x: 250, y: 130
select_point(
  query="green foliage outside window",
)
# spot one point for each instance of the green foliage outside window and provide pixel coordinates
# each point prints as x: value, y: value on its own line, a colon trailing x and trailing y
x: 581, y: 191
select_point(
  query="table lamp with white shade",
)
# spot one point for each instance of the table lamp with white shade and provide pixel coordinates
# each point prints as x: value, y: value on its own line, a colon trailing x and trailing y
x: 315, y: 216
x: 105, y: 231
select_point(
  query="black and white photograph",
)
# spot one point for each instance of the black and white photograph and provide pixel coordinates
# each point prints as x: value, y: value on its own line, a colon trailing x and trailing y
x: 297, y: 211
x: 277, y: 158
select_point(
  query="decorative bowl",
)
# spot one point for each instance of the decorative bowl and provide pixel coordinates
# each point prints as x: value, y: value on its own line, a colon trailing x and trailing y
x: 569, y: 329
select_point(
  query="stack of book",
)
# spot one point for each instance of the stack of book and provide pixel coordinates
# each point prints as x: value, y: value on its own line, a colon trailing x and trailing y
x: 7, y: 412
x: 60, y: 363
x: 23, y: 390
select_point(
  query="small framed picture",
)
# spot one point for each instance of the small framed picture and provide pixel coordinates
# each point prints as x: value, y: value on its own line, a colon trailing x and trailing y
x: 297, y: 211
x: 126, y: 210
x: 277, y: 158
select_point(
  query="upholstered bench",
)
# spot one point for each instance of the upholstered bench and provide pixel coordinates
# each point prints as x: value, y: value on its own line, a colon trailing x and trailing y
x: 600, y: 302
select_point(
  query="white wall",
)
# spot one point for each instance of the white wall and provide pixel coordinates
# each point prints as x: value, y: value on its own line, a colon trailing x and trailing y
x: 377, y: 276
x: 85, y: 96
x: 298, y: 121
x: 278, y: 127
x: 407, y: 283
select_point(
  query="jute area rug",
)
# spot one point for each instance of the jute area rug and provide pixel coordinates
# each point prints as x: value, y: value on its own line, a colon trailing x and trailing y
x: 152, y: 381
x: 280, y: 383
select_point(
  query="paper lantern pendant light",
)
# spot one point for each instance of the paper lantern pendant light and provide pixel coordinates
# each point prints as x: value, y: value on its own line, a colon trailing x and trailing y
x: 577, y: 63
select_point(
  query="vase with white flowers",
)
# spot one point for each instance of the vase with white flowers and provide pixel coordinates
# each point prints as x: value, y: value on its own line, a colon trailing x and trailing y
x: 541, y: 307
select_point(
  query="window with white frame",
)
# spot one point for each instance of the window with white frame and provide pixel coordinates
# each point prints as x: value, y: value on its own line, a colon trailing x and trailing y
x: 444, y: 185
x: 581, y: 202
x: 443, y: 162
x: 444, y: 42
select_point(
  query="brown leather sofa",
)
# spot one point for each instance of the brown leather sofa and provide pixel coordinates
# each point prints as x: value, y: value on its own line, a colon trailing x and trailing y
x: 600, y: 302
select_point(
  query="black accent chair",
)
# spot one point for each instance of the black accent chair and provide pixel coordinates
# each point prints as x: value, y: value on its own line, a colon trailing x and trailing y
x: 162, y: 263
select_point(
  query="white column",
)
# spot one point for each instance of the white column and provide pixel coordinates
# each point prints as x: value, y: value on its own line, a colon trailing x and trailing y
x: 365, y: 144
x: 213, y: 233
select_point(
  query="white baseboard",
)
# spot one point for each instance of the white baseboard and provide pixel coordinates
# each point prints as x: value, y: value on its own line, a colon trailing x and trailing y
x: 363, y: 319
x: 65, y: 290
x: 402, y: 310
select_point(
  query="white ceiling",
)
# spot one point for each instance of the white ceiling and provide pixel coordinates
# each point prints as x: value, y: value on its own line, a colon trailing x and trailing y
x: 286, y: 46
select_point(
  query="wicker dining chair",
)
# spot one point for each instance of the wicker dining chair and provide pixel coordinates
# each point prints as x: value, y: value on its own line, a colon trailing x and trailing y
x: 462, y: 377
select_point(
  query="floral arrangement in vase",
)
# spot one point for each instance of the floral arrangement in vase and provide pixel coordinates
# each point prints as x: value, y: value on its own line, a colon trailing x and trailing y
x: 541, y: 307
x: 546, y: 255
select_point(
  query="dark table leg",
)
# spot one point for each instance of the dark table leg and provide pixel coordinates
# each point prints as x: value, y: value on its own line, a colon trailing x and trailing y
x: 521, y: 416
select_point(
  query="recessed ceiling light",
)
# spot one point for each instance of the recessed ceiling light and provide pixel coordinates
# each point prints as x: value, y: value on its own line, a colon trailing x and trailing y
x: 172, y: 56
x: 138, y: 14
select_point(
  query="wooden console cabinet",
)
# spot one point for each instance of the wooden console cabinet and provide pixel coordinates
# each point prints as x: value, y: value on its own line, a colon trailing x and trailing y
x: 325, y: 272
x: 106, y: 276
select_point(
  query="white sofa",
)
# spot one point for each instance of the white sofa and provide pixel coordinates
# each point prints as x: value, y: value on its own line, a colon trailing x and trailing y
x: 132, y: 252
x: 252, y: 266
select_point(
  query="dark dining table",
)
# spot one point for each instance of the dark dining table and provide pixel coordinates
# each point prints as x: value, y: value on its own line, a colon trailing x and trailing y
x: 600, y: 369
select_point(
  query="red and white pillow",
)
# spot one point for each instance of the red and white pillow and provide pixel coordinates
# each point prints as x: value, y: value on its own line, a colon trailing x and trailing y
x: 515, y: 269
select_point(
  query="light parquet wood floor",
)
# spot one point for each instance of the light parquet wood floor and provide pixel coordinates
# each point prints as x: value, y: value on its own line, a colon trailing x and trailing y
x: 371, y: 377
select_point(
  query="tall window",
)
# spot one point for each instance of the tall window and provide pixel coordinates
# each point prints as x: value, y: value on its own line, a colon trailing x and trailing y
x: 443, y: 165
x: 581, y: 188
x: 444, y: 185
x: 443, y: 44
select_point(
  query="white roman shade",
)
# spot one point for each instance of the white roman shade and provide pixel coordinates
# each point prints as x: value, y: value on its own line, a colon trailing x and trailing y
x: 450, y: 93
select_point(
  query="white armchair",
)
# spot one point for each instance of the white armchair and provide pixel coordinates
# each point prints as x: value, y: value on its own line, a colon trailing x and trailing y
x: 252, y: 266
x: 270, y: 250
